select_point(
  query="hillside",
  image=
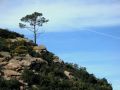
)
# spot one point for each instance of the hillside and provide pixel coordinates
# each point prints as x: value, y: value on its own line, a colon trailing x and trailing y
x: 27, y: 66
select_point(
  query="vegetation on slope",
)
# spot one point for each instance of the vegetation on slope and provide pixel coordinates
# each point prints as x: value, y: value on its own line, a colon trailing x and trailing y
x: 48, y: 75
x: 4, y: 33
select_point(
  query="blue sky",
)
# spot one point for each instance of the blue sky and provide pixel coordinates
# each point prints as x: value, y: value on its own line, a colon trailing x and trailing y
x: 86, y: 32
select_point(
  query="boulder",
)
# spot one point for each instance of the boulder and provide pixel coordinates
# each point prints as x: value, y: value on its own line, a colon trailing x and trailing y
x: 68, y: 74
x: 13, y: 65
x: 56, y: 59
x: 22, y: 39
x: 10, y: 73
x: 39, y: 48
x: 27, y: 57
x: 35, y: 87
x: 18, y: 58
x: 38, y: 59
x: 13, y: 40
x: 1, y: 59
x: 6, y: 55
x: 3, y: 63
x: 25, y: 63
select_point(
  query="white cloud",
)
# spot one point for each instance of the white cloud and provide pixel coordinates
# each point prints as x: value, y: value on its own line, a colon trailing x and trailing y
x: 63, y: 14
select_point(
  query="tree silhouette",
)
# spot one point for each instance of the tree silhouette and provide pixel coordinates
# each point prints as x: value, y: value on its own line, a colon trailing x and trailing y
x: 32, y: 22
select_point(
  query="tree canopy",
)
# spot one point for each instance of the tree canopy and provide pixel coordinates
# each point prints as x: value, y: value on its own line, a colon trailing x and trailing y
x: 32, y: 22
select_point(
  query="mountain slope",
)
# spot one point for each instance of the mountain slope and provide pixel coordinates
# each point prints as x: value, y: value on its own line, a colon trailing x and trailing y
x: 26, y: 66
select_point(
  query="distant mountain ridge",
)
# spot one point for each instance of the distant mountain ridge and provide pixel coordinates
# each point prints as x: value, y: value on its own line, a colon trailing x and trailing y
x: 27, y: 66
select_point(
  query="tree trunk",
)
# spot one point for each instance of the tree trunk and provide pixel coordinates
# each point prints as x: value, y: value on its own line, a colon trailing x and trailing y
x: 35, y: 35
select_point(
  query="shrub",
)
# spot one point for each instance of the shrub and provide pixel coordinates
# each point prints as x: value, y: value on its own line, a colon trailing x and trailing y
x: 31, y: 78
x: 12, y: 84
x: 20, y: 50
x: 3, y: 46
x: 48, y: 56
x: 4, y: 33
x: 34, y: 54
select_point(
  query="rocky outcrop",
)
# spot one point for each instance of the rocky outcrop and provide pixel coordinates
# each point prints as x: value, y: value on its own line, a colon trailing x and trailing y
x: 68, y: 74
x: 10, y: 73
x: 3, y: 63
x: 57, y: 60
x: 19, y: 39
x: 5, y: 54
x: 40, y: 48
x: 15, y: 66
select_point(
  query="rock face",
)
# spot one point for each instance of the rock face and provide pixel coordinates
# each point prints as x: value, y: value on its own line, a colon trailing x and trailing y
x: 5, y: 54
x: 10, y: 73
x: 68, y: 74
x: 56, y: 59
x: 15, y: 66
x: 40, y: 48
x: 18, y: 39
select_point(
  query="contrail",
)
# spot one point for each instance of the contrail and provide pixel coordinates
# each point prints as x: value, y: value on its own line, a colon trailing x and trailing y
x: 104, y: 34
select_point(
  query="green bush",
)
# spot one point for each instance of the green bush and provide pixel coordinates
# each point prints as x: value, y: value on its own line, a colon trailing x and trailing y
x: 29, y: 77
x: 34, y: 54
x: 19, y: 50
x: 12, y: 84
x: 3, y: 46
x: 48, y: 56
x: 4, y: 33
